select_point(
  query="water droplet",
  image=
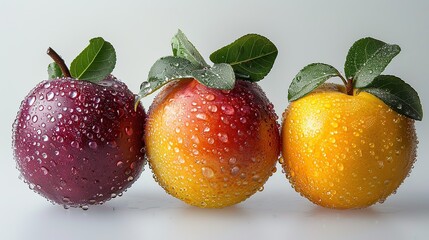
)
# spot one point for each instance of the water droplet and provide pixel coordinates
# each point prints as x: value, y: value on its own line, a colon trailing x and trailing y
x: 129, y: 131
x: 73, y: 94
x: 201, y: 116
x: 232, y: 160
x: 223, y: 137
x: 45, y: 138
x: 92, y: 145
x: 195, y: 139
x: 31, y: 100
x: 210, y: 97
x: 74, y: 118
x: 207, y: 172
x: 34, y: 118
x: 274, y: 170
x: 210, y: 140
x: 340, y: 167
x: 228, y: 109
x: 130, y: 178
x: 84, y: 207
x: 212, y: 108
x: 243, y: 120
x: 235, y: 170
x: 95, y: 129
x: 50, y: 96
x: 334, y: 124
x: 74, y: 144
x: 45, y: 171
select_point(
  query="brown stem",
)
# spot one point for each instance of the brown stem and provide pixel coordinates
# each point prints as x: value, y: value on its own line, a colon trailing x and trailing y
x: 349, y: 87
x: 58, y: 60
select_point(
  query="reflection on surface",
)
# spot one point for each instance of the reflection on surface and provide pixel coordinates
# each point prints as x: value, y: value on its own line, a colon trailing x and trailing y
x: 141, y: 214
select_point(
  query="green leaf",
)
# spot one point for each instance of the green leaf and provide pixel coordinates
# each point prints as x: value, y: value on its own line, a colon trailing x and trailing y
x: 220, y: 76
x: 251, y: 56
x: 367, y: 58
x: 397, y: 94
x: 165, y: 70
x: 182, y: 47
x: 309, y: 78
x: 54, y: 71
x: 95, y: 62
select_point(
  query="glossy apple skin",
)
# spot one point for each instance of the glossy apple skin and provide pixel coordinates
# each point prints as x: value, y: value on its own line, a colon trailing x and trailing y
x: 78, y: 143
x: 212, y: 148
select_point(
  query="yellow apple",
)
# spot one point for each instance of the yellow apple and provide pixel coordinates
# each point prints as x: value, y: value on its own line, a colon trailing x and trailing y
x: 343, y: 151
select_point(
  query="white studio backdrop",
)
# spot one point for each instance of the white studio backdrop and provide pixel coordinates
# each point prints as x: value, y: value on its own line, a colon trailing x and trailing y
x: 303, y: 31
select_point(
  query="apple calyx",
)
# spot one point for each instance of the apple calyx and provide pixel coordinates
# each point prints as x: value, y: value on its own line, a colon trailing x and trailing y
x: 366, y: 60
x: 250, y: 58
x: 93, y: 64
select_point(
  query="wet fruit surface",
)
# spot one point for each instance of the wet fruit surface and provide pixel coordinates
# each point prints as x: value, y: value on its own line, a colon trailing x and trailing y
x: 344, y: 151
x: 79, y: 143
x: 209, y: 147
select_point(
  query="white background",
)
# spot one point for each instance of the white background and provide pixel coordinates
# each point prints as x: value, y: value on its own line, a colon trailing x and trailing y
x: 304, y: 32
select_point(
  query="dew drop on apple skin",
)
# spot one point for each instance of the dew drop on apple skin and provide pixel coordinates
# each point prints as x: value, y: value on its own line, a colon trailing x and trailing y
x: 228, y: 109
x: 223, y: 137
x: 235, y: 170
x: 73, y: 94
x: 212, y: 108
x: 201, y: 116
x: 207, y: 172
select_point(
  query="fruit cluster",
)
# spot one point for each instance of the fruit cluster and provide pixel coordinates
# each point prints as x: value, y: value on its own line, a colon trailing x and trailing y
x: 211, y: 136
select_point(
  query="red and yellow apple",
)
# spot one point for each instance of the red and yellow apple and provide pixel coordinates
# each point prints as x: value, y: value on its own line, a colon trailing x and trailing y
x: 209, y: 147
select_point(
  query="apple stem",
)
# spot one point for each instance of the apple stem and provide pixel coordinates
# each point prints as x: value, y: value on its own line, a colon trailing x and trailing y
x: 58, y: 60
x: 343, y: 79
x: 349, y: 87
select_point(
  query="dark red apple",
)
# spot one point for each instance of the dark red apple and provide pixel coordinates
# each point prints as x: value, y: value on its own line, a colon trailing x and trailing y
x: 79, y: 143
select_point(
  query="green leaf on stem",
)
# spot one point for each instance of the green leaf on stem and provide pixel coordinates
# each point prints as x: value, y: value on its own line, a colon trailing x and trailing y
x: 367, y: 58
x: 220, y: 76
x: 397, y: 94
x: 54, y: 71
x: 182, y: 47
x: 309, y: 78
x: 251, y: 56
x: 95, y: 62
